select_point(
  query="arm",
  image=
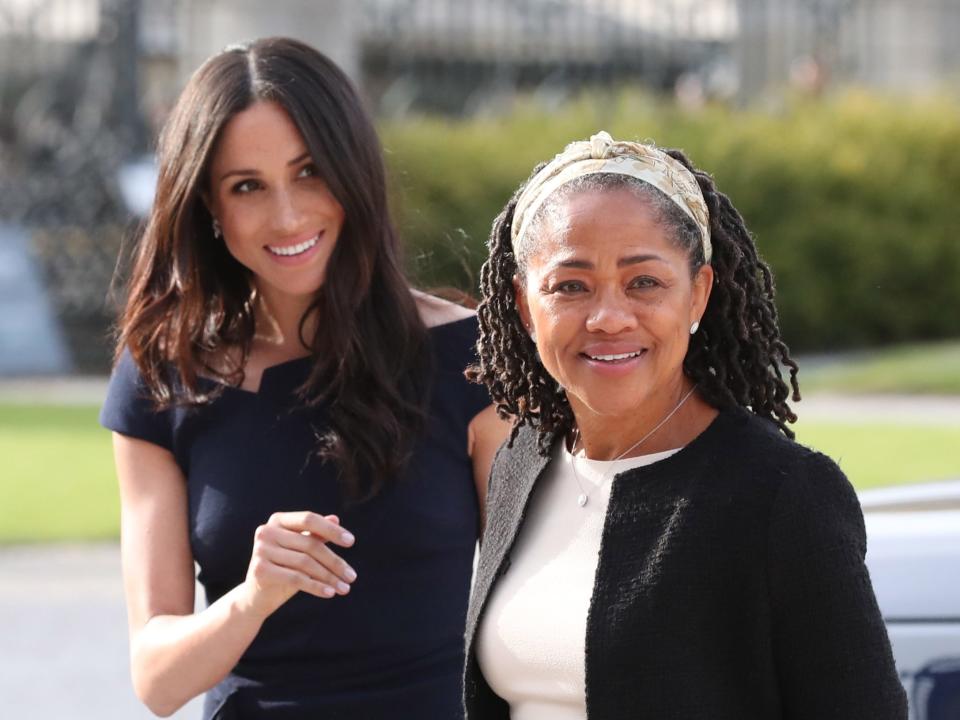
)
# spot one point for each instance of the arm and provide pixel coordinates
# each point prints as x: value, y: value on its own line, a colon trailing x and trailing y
x: 831, y: 649
x: 485, y: 434
x: 174, y: 653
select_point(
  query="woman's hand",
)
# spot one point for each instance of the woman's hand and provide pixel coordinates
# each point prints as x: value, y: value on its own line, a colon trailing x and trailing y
x: 290, y: 554
x: 176, y: 653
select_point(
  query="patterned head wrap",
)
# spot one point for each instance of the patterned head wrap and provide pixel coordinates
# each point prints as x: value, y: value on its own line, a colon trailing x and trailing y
x: 603, y: 154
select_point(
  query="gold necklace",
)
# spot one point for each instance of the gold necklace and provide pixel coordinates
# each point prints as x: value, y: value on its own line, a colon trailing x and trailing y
x: 583, y: 498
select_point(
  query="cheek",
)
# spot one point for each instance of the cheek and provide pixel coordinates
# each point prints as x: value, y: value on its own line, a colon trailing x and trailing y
x: 320, y: 201
x: 236, y: 221
x: 675, y: 333
x: 558, y: 324
x: 338, y: 213
x: 543, y: 318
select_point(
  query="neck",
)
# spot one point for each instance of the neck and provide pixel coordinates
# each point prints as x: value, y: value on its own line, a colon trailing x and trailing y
x: 667, y: 421
x: 278, y: 318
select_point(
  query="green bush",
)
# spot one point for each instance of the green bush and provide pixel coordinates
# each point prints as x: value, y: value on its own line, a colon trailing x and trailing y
x: 851, y: 200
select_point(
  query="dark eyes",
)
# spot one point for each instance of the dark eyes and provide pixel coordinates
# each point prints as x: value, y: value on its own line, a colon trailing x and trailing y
x: 570, y: 287
x: 246, y: 186
x: 644, y: 282
x: 308, y: 170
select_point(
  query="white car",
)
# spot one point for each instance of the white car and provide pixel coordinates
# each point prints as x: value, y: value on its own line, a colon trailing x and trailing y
x: 913, y: 553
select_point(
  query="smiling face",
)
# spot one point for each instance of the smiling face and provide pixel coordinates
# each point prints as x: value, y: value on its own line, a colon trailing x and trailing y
x: 611, y: 300
x: 277, y: 215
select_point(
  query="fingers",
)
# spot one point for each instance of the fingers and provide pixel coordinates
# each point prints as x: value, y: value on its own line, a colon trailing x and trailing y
x: 309, y: 573
x: 317, y: 550
x: 324, y: 528
x: 291, y: 553
x: 267, y: 574
x: 307, y: 551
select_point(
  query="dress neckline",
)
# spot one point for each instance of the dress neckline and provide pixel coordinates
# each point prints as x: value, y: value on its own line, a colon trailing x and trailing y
x: 272, y: 374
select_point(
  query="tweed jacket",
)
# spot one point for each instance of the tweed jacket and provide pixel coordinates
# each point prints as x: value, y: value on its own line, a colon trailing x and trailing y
x: 731, y: 585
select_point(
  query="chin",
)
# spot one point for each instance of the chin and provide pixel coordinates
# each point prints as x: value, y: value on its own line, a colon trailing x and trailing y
x: 608, y: 404
x: 290, y: 292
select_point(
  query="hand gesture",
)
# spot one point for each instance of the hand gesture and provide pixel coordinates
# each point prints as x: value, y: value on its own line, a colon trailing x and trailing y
x: 290, y: 554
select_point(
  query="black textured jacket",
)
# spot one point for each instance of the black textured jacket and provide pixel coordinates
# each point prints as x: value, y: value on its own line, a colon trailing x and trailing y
x: 730, y: 586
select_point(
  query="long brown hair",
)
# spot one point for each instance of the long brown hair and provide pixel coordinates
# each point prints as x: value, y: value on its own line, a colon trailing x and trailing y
x: 188, y: 300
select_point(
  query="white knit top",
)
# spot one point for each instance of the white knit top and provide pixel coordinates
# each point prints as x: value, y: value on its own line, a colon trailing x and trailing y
x: 530, y: 644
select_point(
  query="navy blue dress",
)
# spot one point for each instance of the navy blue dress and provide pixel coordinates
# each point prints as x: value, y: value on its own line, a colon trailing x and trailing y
x: 393, y: 647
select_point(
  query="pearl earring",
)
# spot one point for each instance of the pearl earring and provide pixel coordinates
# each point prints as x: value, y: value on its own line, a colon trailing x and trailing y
x: 532, y: 333
x: 217, y: 230
x: 694, y: 326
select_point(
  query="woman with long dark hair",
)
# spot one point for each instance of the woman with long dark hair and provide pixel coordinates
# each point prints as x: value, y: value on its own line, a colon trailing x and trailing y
x: 290, y: 416
x: 658, y: 545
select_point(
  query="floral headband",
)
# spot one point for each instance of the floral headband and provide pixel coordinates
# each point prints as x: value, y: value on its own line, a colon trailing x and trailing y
x: 603, y: 154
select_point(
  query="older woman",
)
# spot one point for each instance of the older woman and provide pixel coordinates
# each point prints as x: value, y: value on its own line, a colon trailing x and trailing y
x: 658, y: 546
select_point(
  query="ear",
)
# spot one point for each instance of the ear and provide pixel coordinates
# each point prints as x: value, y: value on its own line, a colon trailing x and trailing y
x: 520, y: 299
x: 700, y: 293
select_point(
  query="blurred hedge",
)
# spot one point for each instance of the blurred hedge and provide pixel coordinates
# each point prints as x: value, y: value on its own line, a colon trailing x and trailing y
x: 852, y: 200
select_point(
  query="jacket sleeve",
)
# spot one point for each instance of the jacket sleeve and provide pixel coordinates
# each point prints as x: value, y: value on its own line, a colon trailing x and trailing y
x: 830, y: 645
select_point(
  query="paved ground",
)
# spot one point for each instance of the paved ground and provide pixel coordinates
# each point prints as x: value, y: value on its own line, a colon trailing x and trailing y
x: 63, y: 638
x: 54, y: 390
x: 913, y: 409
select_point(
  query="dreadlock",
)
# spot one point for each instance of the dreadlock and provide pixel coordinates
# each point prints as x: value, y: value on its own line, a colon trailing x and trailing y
x: 736, y: 358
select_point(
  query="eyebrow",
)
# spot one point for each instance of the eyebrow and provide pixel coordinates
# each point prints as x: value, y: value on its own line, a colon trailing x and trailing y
x: 298, y: 159
x: 622, y: 262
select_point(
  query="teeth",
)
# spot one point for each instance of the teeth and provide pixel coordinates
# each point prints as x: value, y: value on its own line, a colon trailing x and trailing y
x: 289, y: 250
x: 611, y: 358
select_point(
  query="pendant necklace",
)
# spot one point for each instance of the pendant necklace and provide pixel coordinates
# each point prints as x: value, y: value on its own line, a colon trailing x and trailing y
x: 583, y: 498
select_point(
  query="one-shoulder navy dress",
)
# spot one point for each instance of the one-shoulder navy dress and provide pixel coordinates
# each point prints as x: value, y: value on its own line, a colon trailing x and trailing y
x: 391, y: 648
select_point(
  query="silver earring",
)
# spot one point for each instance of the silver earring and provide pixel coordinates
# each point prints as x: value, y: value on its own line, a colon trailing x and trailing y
x: 217, y: 230
x: 694, y: 327
x: 532, y: 333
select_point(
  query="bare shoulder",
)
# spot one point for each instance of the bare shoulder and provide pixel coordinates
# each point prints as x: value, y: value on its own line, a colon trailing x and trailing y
x: 437, y: 311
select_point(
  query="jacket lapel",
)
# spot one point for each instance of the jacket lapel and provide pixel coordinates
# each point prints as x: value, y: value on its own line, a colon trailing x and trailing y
x: 515, y: 472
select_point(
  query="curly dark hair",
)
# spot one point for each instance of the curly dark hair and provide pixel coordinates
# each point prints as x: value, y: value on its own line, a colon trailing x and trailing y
x: 737, y: 357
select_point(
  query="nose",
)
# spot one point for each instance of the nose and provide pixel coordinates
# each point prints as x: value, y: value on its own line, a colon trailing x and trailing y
x: 611, y: 313
x: 288, y: 215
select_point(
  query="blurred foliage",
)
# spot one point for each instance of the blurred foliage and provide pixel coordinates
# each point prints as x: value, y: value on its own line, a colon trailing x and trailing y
x: 78, y: 264
x: 922, y: 369
x: 851, y: 199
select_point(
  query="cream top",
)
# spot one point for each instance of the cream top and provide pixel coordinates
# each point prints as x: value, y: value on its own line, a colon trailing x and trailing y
x: 530, y: 644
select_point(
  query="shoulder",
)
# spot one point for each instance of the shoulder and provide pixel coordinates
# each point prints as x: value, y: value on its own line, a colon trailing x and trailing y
x: 130, y: 408
x: 809, y: 495
x: 127, y: 382
x: 748, y: 442
x: 749, y: 458
x: 799, y: 498
x: 815, y: 499
x: 453, y: 332
x: 436, y: 311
